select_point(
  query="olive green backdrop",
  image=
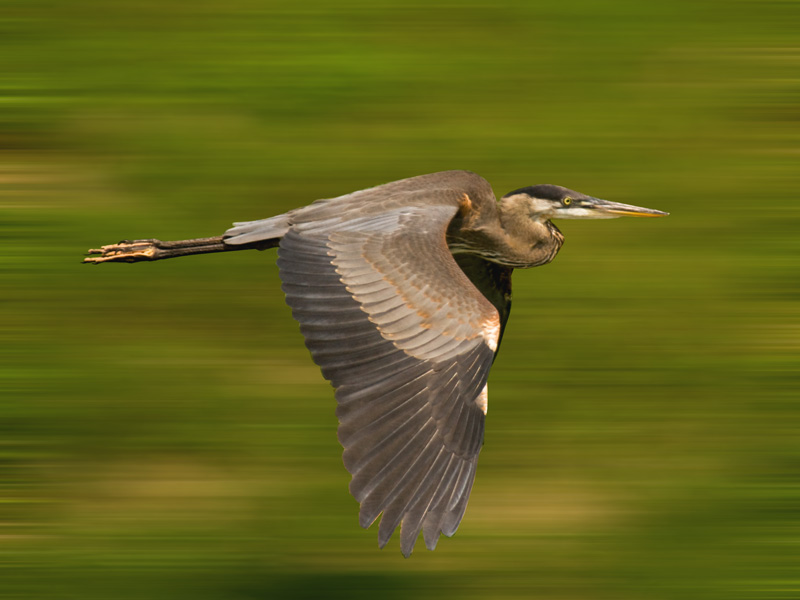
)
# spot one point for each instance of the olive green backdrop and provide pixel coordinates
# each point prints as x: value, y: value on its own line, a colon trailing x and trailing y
x: 164, y: 432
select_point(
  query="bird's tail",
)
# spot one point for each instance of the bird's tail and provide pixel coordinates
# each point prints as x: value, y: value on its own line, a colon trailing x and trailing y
x: 263, y: 230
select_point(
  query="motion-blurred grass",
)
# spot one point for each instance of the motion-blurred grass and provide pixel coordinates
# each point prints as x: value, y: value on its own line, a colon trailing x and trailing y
x: 164, y: 432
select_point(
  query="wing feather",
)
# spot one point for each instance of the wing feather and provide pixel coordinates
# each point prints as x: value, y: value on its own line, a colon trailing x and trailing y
x: 402, y: 495
x: 375, y: 488
x: 422, y: 500
x: 398, y: 329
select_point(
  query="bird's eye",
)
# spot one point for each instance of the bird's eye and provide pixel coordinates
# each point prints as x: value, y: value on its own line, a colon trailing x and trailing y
x: 567, y: 201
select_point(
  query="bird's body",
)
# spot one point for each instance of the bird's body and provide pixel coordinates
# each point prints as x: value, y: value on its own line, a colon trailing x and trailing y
x: 402, y: 293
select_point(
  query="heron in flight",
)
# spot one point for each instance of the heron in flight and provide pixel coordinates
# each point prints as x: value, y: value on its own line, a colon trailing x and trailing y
x: 402, y: 292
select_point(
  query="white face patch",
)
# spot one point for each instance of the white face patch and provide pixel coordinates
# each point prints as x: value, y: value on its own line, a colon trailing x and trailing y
x: 536, y: 208
x: 541, y: 207
x: 483, y: 399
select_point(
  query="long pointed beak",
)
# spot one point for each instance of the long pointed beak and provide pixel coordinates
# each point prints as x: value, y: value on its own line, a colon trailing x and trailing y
x: 617, y: 209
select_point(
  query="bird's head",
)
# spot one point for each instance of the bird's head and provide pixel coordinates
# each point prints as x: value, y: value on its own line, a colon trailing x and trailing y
x: 544, y: 202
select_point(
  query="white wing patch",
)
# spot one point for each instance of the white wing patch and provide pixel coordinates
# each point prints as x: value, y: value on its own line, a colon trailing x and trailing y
x: 483, y: 399
x: 491, y: 331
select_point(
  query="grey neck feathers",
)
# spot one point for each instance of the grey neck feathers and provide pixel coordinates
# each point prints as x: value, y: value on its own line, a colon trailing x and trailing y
x: 515, y: 238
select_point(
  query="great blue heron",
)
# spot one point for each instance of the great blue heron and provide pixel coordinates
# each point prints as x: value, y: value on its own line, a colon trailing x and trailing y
x: 402, y: 292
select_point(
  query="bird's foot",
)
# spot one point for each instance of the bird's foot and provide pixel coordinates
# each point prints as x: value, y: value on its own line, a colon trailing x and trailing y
x: 124, y: 251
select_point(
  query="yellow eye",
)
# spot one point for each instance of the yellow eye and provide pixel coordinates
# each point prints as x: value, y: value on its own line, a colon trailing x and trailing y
x: 567, y: 201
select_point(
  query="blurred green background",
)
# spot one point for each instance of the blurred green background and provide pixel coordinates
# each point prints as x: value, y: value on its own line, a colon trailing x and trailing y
x: 164, y: 431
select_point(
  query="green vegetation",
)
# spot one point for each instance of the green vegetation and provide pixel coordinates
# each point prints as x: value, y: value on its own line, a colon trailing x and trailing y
x: 164, y: 432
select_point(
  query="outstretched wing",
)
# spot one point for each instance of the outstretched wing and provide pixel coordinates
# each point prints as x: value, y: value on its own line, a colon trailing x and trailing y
x: 407, y: 341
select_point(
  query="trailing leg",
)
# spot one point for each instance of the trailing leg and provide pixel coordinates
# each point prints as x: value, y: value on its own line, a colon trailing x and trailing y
x: 141, y: 250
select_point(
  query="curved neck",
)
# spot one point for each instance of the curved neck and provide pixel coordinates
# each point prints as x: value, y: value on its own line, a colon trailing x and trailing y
x: 531, y: 242
x: 513, y: 238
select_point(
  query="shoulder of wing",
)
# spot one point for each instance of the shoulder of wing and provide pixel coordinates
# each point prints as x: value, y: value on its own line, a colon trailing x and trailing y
x: 435, y: 189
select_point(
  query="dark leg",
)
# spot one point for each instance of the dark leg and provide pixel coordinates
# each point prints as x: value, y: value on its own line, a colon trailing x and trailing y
x: 139, y: 250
